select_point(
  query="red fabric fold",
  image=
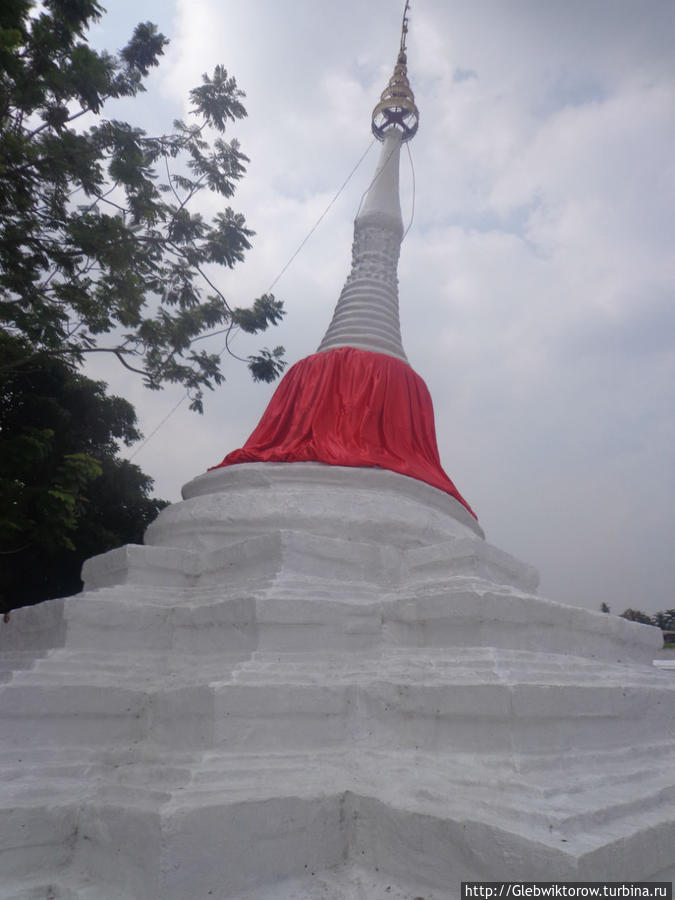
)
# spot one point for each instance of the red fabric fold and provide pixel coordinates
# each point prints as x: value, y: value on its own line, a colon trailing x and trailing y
x: 350, y: 407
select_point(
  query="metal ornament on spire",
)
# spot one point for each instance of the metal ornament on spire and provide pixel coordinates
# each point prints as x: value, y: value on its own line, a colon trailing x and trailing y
x: 397, y: 108
x: 366, y: 316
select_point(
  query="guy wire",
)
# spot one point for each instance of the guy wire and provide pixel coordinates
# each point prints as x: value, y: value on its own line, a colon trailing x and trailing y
x: 299, y: 248
x: 412, y: 212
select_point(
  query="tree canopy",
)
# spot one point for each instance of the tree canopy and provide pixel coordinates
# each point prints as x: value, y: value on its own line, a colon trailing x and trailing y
x: 100, y: 250
x: 636, y: 615
x: 663, y: 619
x: 65, y: 495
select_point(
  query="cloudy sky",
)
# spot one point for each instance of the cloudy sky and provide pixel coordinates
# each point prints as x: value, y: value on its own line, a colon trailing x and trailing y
x: 536, y: 282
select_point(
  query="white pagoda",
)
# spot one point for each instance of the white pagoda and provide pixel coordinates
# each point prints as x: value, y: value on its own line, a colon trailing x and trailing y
x: 316, y: 680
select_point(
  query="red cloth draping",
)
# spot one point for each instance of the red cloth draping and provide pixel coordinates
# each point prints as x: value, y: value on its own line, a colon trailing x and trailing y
x: 350, y: 407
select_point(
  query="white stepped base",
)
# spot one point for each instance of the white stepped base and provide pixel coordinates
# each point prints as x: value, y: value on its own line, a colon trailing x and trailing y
x: 172, y: 827
x: 305, y: 713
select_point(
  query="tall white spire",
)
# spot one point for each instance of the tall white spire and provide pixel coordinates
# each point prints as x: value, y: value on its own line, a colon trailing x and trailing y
x: 366, y: 315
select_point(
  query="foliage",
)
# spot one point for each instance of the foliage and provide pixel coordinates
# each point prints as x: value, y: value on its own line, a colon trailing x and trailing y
x: 99, y: 251
x: 636, y: 615
x: 665, y: 619
x: 64, y: 493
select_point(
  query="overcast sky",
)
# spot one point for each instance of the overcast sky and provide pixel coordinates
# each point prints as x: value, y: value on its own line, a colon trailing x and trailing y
x: 536, y: 282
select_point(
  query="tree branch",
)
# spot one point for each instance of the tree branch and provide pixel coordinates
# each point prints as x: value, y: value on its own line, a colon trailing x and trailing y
x: 72, y: 118
x: 119, y: 353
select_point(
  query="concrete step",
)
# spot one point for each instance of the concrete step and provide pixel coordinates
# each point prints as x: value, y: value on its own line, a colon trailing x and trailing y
x: 476, y: 700
x: 143, y: 815
x: 296, y: 613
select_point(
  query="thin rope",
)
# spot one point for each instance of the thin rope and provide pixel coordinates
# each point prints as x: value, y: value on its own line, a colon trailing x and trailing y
x: 323, y: 214
x: 412, y: 212
x: 227, y: 336
x: 154, y: 432
x: 375, y: 177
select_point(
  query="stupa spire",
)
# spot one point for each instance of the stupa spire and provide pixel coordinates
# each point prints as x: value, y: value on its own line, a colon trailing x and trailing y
x: 366, y: 315
x: 356, y: 402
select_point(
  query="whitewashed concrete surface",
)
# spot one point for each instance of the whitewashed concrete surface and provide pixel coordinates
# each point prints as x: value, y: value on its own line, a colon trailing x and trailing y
x: 314, y: 708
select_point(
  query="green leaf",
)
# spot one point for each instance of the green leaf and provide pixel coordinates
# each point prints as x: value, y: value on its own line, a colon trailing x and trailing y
x: 64, y: 493
x: 268, y: 365
x: 101, y: 246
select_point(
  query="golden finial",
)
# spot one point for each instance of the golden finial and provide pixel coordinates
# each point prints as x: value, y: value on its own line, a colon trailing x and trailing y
x: 396, y: 108
x: 404, y: 26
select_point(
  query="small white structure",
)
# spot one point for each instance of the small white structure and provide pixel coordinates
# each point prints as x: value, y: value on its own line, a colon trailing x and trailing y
x: 319, y: 682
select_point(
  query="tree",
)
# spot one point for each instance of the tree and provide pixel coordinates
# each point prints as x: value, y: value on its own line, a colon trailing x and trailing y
x: 636, y: 615
x: 665, y: 619
x: 65, y: 495
x: 604, y: 607
x: 99, y: 251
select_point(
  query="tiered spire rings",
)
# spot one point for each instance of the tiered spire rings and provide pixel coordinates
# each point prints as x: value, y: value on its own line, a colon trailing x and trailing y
x: 397, y: 107
x: 366, y: 315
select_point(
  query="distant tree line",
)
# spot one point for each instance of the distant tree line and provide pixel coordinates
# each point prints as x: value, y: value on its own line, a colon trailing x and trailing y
x: 664, y: 619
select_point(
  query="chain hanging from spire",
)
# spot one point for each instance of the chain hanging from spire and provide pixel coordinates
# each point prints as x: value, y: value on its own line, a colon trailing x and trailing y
x: 397, y: 108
